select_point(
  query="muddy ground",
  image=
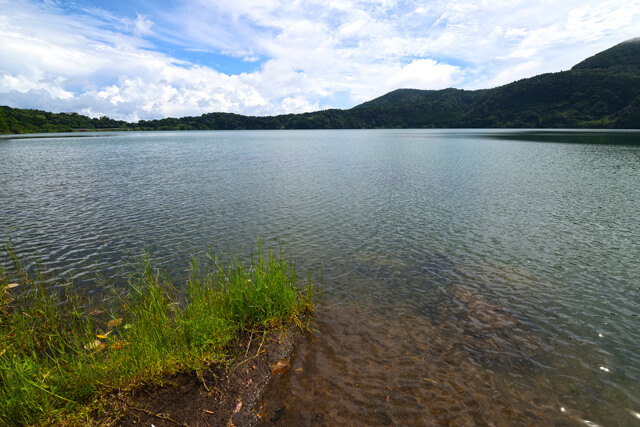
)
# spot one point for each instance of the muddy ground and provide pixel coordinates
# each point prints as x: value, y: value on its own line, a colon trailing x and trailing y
x: 220, y: 396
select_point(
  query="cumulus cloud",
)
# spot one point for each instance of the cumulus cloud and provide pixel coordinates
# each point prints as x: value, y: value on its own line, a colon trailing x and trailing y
x: 127, y: 66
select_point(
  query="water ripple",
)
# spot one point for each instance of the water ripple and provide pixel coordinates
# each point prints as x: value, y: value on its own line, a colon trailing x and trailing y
x: 497, y: 256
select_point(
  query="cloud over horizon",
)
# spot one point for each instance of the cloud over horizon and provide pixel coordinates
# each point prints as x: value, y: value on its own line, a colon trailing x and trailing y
x: 132, y: 61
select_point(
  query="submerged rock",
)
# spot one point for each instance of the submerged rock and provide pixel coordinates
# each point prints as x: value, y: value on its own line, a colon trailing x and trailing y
x: 279, y: 367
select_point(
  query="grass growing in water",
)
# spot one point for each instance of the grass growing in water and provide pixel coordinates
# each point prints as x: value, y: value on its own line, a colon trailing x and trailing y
x: 59, y: 358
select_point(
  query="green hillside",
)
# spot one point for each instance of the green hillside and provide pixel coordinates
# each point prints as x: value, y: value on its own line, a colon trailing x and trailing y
x: 602, y: 91
x: 412, y: 108
x: 623, y: 56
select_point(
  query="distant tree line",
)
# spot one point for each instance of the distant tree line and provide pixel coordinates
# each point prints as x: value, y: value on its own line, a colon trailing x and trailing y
x: 16, y: 120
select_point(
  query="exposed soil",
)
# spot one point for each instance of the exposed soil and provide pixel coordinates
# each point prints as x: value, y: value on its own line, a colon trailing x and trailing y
x: 220, y: 397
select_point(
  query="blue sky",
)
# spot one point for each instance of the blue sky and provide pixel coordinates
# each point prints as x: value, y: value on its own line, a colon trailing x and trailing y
x: 144, y: 59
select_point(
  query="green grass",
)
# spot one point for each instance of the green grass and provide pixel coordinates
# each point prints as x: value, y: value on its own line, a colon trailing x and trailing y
x: 60, y: 358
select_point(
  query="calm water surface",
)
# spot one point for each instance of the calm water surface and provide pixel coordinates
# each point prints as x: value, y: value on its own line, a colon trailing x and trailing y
x: 470, y: 277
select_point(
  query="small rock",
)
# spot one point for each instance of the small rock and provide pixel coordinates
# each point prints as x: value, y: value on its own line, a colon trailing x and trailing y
x: 280, y: 367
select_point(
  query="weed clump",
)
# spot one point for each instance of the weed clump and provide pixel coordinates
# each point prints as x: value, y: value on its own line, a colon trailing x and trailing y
x: 60, y: 357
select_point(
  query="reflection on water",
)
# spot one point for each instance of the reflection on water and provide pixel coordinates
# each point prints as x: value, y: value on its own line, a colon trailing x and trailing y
x: 471, y: 277
x: 608, y: 137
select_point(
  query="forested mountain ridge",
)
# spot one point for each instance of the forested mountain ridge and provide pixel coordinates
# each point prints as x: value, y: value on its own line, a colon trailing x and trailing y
x: 602, y: 91
x: 621, y: 57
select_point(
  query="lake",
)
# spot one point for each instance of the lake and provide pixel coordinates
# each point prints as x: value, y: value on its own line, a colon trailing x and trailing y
x: 470, y: 276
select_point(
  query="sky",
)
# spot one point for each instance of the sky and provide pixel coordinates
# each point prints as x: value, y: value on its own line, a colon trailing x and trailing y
x: 149, y: 59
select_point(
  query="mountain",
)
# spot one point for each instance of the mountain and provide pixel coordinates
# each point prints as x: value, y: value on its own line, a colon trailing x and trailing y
x: 621, y: 57
x: 414, y: 108
x: 602, y: 91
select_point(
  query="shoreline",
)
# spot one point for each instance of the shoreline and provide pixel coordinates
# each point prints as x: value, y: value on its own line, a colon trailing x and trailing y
x: 219, y: 395
x: 67, y: 361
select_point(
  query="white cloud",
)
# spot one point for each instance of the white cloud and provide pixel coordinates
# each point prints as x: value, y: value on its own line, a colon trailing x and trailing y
x: 511, y: 74
x: 424, y: 73
x: 306, y: 52
x: 142, y: 26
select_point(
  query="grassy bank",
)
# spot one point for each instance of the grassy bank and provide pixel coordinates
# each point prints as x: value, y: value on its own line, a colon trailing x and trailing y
x: 60, y: 357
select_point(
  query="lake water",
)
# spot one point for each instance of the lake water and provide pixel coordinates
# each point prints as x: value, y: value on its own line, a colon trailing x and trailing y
x: 470, y: 277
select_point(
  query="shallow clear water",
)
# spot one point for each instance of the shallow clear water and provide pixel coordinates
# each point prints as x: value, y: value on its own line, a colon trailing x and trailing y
x: 469, y: 276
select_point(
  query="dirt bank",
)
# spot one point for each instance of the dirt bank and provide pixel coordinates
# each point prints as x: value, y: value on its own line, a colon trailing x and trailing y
x: 219, y: 397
